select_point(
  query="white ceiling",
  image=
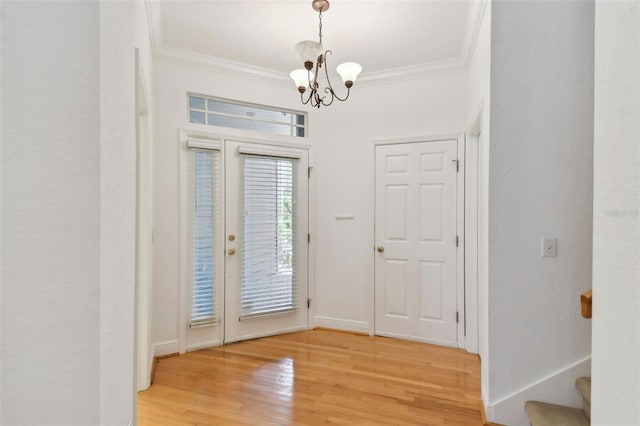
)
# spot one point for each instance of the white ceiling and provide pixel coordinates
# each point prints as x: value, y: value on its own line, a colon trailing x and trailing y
x: 388, y: 38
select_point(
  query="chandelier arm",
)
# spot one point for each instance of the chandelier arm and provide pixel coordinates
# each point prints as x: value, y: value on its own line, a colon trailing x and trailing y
x: 333, y: 96
x: 326, y: 69
x: 312, y: 89
x: 315, y: 86
x: 308, y: 99
x: 330, y: 88
x: 314, y: 99
x: 345, y: 98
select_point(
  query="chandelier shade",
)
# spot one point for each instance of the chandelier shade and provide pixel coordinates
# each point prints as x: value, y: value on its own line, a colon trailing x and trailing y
x: 309, y: 51
x: 314, y: 57
x: 301, y: 78
x: 349, y: 72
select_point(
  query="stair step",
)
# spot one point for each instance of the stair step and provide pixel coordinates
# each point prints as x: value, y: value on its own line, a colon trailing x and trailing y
x: 544, y: 414
x: 584, y: 386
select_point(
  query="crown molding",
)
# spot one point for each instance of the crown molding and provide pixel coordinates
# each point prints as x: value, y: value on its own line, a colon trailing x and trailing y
x: 222, y: 66
x: 413, y: 72
x: 472, y: 32
x: 168, y: 54
x: 154, y: 23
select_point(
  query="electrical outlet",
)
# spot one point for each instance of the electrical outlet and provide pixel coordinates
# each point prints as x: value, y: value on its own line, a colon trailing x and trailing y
x: 549, y: 247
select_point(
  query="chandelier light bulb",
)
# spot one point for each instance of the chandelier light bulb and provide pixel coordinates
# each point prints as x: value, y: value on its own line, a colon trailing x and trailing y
x: 349, y: 72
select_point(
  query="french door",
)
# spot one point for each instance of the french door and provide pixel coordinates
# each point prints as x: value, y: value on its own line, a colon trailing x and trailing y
x: 266, y: 241
x: 247, y: 259
x: 415, y: 233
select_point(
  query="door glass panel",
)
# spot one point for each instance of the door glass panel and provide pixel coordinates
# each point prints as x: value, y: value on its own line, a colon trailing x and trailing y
x: 269, y: 285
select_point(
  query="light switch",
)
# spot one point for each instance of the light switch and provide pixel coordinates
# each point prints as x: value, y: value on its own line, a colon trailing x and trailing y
x: 549, y: 247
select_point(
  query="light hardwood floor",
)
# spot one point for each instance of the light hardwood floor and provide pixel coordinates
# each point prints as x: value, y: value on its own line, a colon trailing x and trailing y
x: 314, y: 378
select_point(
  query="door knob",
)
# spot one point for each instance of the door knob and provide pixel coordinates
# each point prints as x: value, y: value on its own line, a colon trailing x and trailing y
x: 231, y: 252
x: 380, y: 249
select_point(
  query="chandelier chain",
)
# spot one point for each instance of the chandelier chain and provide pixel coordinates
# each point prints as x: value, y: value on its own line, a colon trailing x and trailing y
x: 320, y: 26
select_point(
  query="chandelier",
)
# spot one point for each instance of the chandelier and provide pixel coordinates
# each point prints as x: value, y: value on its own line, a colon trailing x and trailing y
x: 314, y: 58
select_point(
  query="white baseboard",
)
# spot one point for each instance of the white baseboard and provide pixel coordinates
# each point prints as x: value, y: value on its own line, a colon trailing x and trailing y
x: 341, y: 324
x: 267, y: 334
x: 204, y: 345
x: 556, y: 388
x: 416, y: 339
x: 166, y: 348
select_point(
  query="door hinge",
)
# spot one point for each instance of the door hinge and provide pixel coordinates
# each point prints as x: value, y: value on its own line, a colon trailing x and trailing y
x: 457, y: 163
x: 309, y: 171
x: 308, y: 238
x: 457, y: 317
x: 457, y: 241
x: 308, y: 303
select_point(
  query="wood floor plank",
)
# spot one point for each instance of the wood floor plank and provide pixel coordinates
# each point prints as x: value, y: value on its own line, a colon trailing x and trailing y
x: 313, y: 378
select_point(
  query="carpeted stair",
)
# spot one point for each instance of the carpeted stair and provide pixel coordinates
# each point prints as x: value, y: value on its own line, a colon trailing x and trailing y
x: 584, y: 386
x: 545, y: 414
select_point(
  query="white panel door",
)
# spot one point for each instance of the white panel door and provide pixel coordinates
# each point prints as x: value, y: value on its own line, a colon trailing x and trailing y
x: 266, y: 255
x: 415, y: 234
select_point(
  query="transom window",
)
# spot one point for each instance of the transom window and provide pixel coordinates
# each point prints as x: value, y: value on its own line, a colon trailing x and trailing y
x: 239, y: 115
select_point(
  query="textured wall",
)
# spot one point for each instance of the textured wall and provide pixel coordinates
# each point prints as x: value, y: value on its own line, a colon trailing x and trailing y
x: 343, y: 177
x: 68, y: 223
x: 540, y: 185
x: 616, y: 223
x: 50, y: 213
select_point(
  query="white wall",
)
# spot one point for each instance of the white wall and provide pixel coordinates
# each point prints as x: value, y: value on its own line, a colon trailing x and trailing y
x: 342, y: 138
x: 123, y: 27
x: 616, y: 226
x: 172, y: 82
x: 50, y: 214
x: 344, y: 179
x: 540, y: 185
x: 478, y: 105
x: 68, y: 180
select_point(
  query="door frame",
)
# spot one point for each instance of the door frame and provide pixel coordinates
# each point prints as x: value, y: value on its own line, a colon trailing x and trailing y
x: 463, y: 304
x: 220, y: 135
x: 143, y: 349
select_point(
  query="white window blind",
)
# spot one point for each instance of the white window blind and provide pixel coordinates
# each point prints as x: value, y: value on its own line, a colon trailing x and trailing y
x: 204, y: 188
x: 269, y: 284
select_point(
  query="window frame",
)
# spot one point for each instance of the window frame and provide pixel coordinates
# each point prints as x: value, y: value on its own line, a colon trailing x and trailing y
x: 292, y: 124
